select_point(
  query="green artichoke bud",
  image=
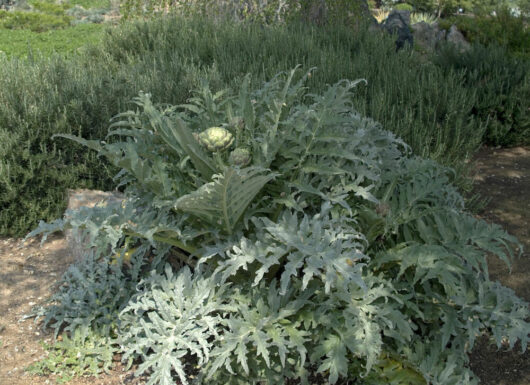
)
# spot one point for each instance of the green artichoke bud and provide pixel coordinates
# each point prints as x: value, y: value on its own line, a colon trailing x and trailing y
x: 216, y: 139
x: 240, y: 157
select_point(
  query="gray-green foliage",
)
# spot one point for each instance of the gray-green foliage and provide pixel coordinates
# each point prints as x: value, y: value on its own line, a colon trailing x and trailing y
x: 90, y: 296
x: 334, y: 253
x: 172, y: 316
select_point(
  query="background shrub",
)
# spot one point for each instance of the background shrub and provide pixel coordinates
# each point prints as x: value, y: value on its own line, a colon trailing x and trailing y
x: 50, y: 8
x: 503, y: 29
x: 450, y: 7
x: 33, y: 21
x: 502, y: 85
x: 21, y: 43
x: 98, y: 4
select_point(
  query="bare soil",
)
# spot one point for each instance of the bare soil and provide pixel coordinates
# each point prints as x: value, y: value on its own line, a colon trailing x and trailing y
x: 28, y: 276
x: 503, y: 176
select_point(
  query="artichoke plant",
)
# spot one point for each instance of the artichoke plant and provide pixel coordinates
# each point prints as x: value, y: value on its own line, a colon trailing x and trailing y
x: 216, y: 139
x: 240, y: 157
x: 359, y: 261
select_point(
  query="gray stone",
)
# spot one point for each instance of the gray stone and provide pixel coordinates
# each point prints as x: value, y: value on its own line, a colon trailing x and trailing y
x: 441, y: 35
x: 425, y: 35
x: 86, y: 198
x: 456, y: 38
x: 398, y: 23
x: 6, y: 4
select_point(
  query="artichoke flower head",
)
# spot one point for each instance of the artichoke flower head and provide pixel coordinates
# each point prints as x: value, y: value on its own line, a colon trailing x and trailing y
x: 216, y: 139
x: 240, y: 157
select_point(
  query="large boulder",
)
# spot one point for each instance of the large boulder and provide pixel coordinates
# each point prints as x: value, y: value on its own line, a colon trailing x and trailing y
x: 427, y: 36
x: 455, y: 37
x: 398, y: 24
x: 86, y: 198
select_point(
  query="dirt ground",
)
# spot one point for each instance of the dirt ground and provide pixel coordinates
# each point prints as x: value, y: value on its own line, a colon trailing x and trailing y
x: 28, y: 275
x: 503, y: 175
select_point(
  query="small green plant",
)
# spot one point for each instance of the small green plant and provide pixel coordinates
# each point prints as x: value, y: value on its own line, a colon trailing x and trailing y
x: 75, y: 356
x: 380, y: 15
x: 91, y: 295
x: 335, y: 252
x: 418, y: 17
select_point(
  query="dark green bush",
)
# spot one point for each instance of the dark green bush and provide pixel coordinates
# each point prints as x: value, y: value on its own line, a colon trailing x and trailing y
x: 430, y: 108
x: 403, y: 7
x: 502, y: 85
x: 504, y: 29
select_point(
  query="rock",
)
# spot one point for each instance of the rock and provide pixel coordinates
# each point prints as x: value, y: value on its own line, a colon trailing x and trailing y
x: 86, y: 198
x: 6, y: 4
x: 398, y: 23
x: 428, y: 36
x: 425, y: 35
x: 454, y: 36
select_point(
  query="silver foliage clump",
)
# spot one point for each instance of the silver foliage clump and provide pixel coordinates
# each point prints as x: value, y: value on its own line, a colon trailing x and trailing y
x: 172, y: 316
x: 334, y: 253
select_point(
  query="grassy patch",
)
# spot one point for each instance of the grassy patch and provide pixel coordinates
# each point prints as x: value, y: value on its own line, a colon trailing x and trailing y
x: 19, y: 43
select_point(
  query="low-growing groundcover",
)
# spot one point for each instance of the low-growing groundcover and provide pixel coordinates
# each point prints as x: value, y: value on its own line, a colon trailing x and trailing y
x: 296, y: 240
x: 24, y: 43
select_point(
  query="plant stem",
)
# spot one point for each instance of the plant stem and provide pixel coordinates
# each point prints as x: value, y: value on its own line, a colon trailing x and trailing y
x: 171, y: 241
